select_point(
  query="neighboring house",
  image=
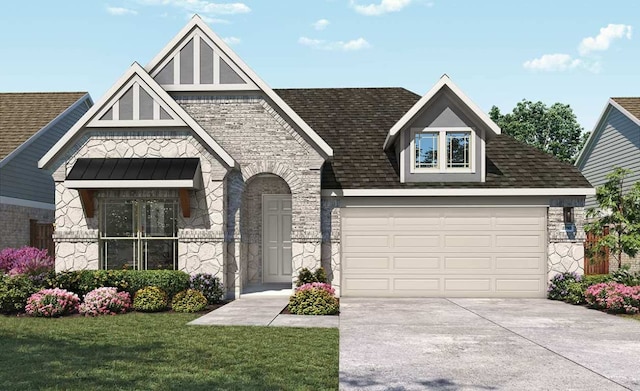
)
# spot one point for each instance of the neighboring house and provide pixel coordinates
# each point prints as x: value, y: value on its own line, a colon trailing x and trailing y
x: 30, y: 124
x: 614, y: 142
x: 194, y: 163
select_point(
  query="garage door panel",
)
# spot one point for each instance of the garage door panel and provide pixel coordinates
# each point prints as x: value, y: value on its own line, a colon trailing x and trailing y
x: 457, y: 252
x: 417, y: 284
x: 520, y: 241
x: 519, y: 262
x: 412, y: 241
x: 367, y: 241
x: 416, y: 263
x: 467, y: 263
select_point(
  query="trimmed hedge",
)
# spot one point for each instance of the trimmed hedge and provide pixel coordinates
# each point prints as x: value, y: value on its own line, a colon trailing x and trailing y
x: 150, y: 299
x: 14, y: 292
x: 82, y: 282
x: 190, y: 300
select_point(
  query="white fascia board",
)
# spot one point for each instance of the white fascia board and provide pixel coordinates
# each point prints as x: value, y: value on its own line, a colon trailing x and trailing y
x: 458, y: 192
x: 196, y: 21
x: 415, y: 109
x: 206, y: 87
x: 26, y: 203
x: 131, y: 184
x: 85, y: 99
x: 136, y: 69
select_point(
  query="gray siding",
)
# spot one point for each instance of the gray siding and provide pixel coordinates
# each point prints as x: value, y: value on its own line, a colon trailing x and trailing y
x: 442, y: 113
x: 617, y: 144
x: 21, y: 178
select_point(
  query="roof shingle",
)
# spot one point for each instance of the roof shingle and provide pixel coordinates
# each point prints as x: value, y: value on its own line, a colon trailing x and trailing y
x: 22, y: 114
x: 355, y: 123
x: 632, y: 105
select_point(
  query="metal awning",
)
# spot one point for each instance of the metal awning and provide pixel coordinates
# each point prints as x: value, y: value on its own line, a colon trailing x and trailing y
x: 135, y: 173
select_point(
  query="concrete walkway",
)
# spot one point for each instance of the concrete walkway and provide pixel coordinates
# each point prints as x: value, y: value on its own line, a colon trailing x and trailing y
x: 257, y: 310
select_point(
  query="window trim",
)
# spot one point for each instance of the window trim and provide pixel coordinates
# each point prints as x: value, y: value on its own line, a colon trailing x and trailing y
x: 442, y: 151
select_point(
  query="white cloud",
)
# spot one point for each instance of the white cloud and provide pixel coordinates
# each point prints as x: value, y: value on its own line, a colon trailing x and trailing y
x: 203, y: 6
x: 603, y: 40
x: 210, y: 20
x: 321, y: 24
x: 118, y: 11
x: 232, y: 40
x: 384, y: 7
x: 352, y: 45
x: 553, y: 62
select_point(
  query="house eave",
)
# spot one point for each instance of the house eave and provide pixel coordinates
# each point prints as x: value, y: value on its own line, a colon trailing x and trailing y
x: 466, y: 192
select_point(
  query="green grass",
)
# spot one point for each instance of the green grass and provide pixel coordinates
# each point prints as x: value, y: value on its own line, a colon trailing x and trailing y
x: 636, y: 316
x: 160, y: 352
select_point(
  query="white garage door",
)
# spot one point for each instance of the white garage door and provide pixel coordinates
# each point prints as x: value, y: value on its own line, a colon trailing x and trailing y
x: 455, y: 252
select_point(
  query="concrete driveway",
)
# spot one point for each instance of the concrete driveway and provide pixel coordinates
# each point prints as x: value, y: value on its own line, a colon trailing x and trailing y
x: 485, y: 344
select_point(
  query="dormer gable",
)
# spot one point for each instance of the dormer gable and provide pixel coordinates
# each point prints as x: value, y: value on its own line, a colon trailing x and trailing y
x: 442, y: 137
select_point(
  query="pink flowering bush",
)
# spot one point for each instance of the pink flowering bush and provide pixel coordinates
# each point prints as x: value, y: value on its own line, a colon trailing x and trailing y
x: 28, y: 261
x: 614, y: 297
x: 105, y: 301
x: 317, y: 285
x: 51, y: 303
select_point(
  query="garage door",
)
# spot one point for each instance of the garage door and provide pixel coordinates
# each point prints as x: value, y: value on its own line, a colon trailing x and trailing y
x: 455, y: 252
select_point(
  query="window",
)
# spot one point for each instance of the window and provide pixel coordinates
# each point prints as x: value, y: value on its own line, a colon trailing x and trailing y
x: 426, y: 150
x: 442, y: 150
x: 138, y: 234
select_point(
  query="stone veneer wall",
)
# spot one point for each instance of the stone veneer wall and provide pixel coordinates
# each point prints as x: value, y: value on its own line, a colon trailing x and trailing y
x: 262, y: 141
x: 565, y: 248
x: 15, y: 226
x: 331, y: 240
x: 200, y: 237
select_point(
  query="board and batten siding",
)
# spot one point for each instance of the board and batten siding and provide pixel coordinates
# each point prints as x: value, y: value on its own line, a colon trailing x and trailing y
x: 617, y: 144
x: 21, y: 178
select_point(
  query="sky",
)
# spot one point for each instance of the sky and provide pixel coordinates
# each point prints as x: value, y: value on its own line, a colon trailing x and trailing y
x: 498, y: 52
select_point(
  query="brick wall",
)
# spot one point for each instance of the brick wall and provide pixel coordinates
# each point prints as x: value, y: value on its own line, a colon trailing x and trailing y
x: 14, y: 224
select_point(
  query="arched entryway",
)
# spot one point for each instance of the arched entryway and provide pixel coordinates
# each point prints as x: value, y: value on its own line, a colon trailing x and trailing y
x: 265, y: 225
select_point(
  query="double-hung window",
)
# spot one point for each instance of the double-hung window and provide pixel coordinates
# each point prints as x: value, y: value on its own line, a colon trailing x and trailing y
x: 138, y: 234
x: 442, y: 150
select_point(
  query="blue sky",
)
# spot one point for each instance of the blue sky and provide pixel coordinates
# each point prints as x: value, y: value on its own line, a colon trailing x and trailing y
x: 498, y: 52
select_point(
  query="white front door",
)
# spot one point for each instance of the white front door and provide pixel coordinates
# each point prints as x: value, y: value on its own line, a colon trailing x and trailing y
x: 276, y: 238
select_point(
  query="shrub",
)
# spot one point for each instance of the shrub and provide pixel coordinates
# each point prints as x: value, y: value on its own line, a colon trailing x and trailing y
x: 624, y: 276
x: 575, y: 292
x: 171, y: 281
x: 190, y: 300
x: 29, y: 261
x: 614, y: 297
x: 150, y: 299
x: 51, y: 303
x: 105, y: 301
x: 310, y: 299
x: 208, y: 285
x: 14, y: 292
x: 306, y: 276
x: 559, y: 285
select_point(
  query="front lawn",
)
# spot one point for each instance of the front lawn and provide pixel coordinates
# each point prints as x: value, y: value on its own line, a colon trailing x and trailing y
x: 636, y: 316
x: 159, y: 351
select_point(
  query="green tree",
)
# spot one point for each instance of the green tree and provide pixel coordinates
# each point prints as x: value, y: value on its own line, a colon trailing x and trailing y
x: 620, y: 213
x: 554, y: 130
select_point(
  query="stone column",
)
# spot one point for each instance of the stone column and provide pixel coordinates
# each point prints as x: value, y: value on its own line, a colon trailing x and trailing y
x: 566, y: 243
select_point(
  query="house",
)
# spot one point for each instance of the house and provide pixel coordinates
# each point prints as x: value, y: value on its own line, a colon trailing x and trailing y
x: 193, y: 162
x: 30, y: 124
x: 614, y: 142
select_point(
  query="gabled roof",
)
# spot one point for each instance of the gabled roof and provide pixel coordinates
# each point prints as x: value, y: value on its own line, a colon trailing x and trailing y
x: 24, y: 114
x: 347, y: 116
x: 135, y: 72
x: 196, y: 23
x: 629, y: 107
x: 444, y: 83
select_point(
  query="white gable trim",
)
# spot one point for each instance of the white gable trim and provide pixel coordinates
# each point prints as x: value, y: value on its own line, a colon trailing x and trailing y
x: 237, y: 62
x: 413, y: 111
x: 588, y: 146
x: 136, y: 70
x: 459, y: 192
x: 85, y: 99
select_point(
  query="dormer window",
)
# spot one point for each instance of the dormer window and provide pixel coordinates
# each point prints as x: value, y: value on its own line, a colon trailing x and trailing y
x: 442, y: 150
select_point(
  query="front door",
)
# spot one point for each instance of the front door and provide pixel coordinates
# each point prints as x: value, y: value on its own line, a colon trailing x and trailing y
x: 276, y: 238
